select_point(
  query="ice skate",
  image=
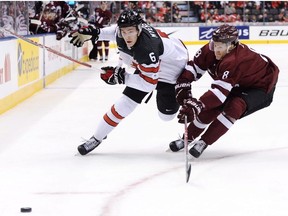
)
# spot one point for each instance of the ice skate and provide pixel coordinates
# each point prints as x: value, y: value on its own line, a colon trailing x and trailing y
x: 88, y: 146
x: 198, y: 148
x: 176, y: 145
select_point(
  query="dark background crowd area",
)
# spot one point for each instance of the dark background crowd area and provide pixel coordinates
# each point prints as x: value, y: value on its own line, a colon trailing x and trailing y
x: 36, y: 17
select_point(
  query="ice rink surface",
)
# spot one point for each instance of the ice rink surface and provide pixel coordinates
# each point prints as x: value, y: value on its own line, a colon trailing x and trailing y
x: 245, y: 173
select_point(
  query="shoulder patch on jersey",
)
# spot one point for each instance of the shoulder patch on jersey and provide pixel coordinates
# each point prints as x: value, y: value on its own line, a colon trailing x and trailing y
x: 150, y: 30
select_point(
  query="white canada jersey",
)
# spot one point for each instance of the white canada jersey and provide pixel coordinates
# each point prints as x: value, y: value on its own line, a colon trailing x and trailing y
x: 155, y: 56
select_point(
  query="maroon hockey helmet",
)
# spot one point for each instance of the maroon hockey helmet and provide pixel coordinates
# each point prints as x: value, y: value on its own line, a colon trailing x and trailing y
x: 225, y: 34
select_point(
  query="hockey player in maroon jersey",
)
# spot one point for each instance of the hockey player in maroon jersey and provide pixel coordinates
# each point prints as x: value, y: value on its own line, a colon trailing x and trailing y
x: 101, y: 19
x: 143, y: 48
x: 244, y: 82
x: 47, y: 20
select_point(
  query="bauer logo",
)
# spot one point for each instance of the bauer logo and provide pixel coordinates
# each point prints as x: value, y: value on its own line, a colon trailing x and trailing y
x: 205, y: 33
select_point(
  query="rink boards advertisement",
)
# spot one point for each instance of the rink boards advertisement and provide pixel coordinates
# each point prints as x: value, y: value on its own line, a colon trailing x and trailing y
x: 8, y: 66
x: 26, y: 68
x: 27, y: 62
x: 205, y: 33
x: 55, y: 62
x: 247, y: 34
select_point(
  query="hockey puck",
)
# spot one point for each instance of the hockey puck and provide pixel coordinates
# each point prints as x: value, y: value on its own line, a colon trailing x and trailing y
x: 26, y: 209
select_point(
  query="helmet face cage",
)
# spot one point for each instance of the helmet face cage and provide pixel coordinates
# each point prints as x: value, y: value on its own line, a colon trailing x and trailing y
x: 129, y: 18
x: 225, y: 34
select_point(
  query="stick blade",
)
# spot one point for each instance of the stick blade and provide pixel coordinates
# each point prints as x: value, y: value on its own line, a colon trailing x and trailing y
x: 187, y: 164
x: 188, y: 171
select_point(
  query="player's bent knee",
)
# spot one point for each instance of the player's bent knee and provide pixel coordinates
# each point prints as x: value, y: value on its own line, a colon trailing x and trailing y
x: 231, y: 119
x: 235, y: 108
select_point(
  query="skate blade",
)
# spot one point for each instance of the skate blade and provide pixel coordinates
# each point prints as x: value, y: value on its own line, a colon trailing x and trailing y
x: 169, y: 150
x: 188, y: 171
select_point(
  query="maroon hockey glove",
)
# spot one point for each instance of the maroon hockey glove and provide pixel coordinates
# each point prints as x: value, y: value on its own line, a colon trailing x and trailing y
x: 183, y: 92
x: 113, y: 75
x: 191, y: 108
x: 63, y: 27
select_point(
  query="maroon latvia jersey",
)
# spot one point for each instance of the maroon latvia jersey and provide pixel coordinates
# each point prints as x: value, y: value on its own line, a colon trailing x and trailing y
x: 242, y: 67
x: 102, y: 17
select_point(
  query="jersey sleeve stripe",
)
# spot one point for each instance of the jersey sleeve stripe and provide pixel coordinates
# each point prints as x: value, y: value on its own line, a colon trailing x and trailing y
x: 150, y: 69
x: 148, y: 79
x: 225, y: 85
x: 195, y: 70
x: 218, y: 94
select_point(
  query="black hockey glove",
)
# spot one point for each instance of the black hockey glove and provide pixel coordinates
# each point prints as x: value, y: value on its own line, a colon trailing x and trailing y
x: 191, y: 108
x: 183, y: 92
x: 83, y: 34
x: 119, y: 75
x: 113, y: 75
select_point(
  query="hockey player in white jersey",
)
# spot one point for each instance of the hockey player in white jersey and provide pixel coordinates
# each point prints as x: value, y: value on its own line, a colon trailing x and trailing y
x: 158, y: 61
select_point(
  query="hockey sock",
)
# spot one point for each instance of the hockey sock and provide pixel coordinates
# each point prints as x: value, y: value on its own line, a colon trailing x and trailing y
x: 122, y: 108
x: 216, y: 129
x: 195, y: 128
x: 199, y: 124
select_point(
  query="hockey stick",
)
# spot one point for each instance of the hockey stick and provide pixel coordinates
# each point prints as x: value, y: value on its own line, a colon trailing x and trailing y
x: 45, y: 47
x: 41, y: 15
x: 78, y: 7
x: 187, y: 164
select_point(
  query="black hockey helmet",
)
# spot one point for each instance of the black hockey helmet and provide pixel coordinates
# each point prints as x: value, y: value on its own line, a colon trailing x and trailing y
x: 129, y: 18
x: 225, y: 34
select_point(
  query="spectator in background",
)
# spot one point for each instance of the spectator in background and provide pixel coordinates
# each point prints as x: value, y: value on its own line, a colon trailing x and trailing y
x: 233, y: 18
x: 101, y: 19
x: 275, y: 4
x: 195, y: 8
x: 263, y: 18
x: 46, y: 20
x: 45, y: 17
x: 21, y: 25
x: 8, y: 18
x: 211, y: 21
x: 246, y: 18
x: 230, y: 8
x: 151, y: 13
x: 139, y: 7
x: 253, y: 18
x: 240, y: 4
x: 215, y: 16
x: 204, y: 16
x: 133, y: 5
x: 175, y: 8
x: 164, y: 13
x: 177, y: 16
x: 280, y: 17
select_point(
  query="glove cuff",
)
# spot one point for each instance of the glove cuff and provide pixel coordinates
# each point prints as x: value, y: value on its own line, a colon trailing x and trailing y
x: 184, y: 85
